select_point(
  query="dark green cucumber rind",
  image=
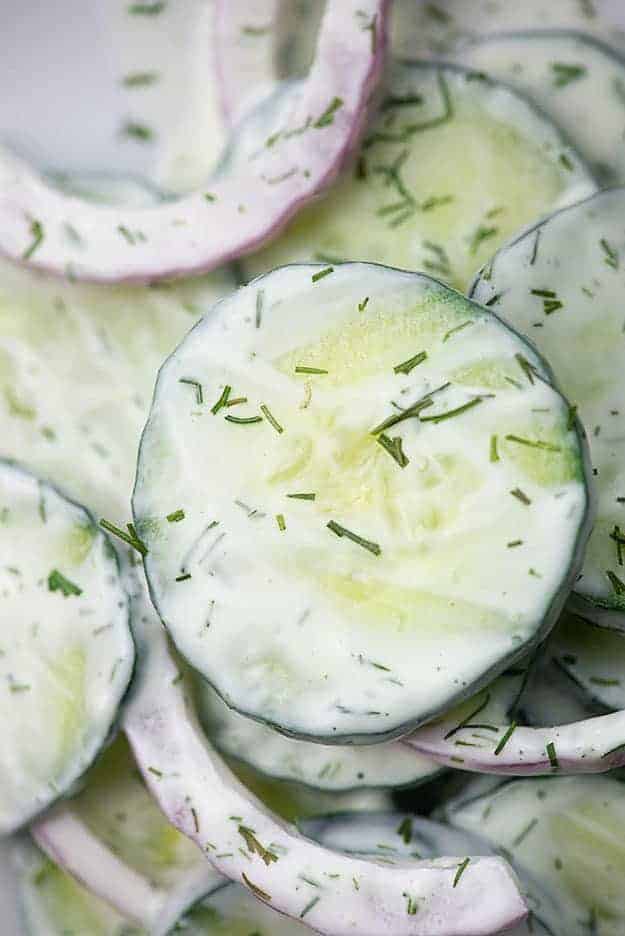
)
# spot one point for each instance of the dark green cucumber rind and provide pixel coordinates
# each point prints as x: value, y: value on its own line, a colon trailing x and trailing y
x: 579, y: 603
x: 115, y: 724
x: 603, y: 174
x: 554, y: 608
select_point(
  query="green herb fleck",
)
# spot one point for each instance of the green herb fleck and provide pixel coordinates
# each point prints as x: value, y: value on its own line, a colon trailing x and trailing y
x: 524, y: 833
x: 343, y: 531
x: 243, y: 420
x: 457, y: 328
x: 271, y: 418
x: 222, y: 401
x: 281, y: 522
x: 309, y: 906
x: 363, y: 305
x: 406, y: 366
x: 308, y: 497
x: 394, y: 448
x: 505, y: 738
x: 302, y: 369
x: 618, y: 586
x: 199, y: 394
x: 494, y: 453
x: 534, y: 443
x: 129, y: 537
x: 183, y: 577
x: 137, y: 131
x: 404, y: 830
x: 520, y: 495
x: 176, y: 516
x: 146, y: 9
x: 37, y: 234
x: 551, y: 754
x: 563, y: 74
x: 58, y: 582
x: 327, y: 117
x: 449, y: 414
x: 481, y: 234
x: 139, y: 79
x: 260, y: 303
x: 254, y: 846
x: 261, y: 894
x: 611, y: 255
x: 321, y: 273
x: 461, y: 869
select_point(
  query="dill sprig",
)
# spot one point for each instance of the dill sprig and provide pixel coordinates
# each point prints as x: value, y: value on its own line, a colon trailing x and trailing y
x: 564, y: 74
x: 534, y: 443
x: 199, y: 393
x: 222, y: 401
x: 505, y: 738
x: 130, y: 537
x: 461, y: 869
x: 354, y: 537
x: 394, y: 448
x: 450, y: 414
x: 271, y: 419
x: 58, y: 582
x: 406, y: 366
x: 37, y: 234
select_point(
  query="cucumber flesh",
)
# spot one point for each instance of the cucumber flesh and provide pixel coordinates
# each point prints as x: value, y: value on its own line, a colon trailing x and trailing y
x: 67, y: 651
x: 357, y: 642
x: 565, y: 831
x: 238, y: 835
x: 453, y: 165
x: 561, y: 284
x: 577, y: 80
x: 55, y: 336
x: 325, y: 767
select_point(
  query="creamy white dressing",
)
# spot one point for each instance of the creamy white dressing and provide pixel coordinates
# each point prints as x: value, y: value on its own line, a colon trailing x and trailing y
x: 593, y: 657
x: 311, y: 630
x: 452, y: 166
x: 578, y: 257
x: 66, y: 650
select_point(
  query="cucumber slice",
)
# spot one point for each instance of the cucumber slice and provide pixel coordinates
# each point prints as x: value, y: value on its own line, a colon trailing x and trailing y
x: 63, y: 347
x: 324, y: 767
x: 53, y: 904
x: 562, y: 284
x: 416, y: 594
x: 67, y: 652
x: 114, y: 840
x: 452, y: 167
x: 576, y: 79
x: 593, y: 657
x: 247, y: 843
x: 566, y: 831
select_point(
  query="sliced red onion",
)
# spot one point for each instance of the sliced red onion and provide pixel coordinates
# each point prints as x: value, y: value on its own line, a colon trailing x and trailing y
x: 245, y: 52
x: 69, y: 842
x: 239, y: 209
x: 334, y: 893
x: 594, y: 745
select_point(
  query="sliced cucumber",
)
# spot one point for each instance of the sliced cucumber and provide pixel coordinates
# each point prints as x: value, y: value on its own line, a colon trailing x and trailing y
x: 402, y: 587
x: 562, y: 284
x: 593, y: 657
x: 566, y: 832
x: 247, y: 843
x: 113, y: 839
x: 66, y: 650
x: 77, y: 366
x: 576, y: 79
x: 452, y: 167
x: 53, y: 904
x: 324, y: 767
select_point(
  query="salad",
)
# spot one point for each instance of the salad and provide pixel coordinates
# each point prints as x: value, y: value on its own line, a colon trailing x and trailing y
x: 312, y: 481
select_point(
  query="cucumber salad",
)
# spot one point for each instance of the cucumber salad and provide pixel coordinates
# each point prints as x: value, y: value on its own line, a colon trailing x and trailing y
x: 312, y: 472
